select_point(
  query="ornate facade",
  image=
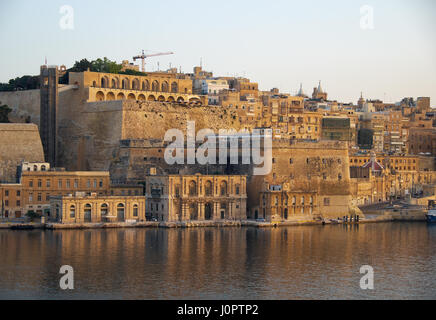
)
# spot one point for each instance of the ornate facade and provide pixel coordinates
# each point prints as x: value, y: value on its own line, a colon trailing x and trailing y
x: 196, y: 198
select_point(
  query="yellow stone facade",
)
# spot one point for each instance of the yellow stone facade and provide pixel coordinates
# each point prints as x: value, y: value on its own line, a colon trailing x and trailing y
x: 153, y: 87
x: 175, y: 198
x: 80, y: 208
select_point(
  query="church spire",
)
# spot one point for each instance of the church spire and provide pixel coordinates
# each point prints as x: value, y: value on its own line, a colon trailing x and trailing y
x: 319, y: 87
x: 301, y: 92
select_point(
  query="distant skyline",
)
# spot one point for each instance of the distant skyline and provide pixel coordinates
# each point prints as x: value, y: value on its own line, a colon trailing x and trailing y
x: 275, y: 43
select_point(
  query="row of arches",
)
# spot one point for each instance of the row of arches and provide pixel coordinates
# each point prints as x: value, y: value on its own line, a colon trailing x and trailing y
x: 100, y: 96
x: 104, y: 211
x: 136, y: 84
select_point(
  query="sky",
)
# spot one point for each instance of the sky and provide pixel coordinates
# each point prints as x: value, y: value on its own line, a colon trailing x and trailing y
x: 278, y: 44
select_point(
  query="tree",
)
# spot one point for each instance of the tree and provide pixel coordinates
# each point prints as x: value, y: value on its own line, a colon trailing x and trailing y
x: 21, y: 83
x: 4, y: 112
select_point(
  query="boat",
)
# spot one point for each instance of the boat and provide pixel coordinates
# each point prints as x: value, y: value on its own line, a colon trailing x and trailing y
x: 431, y: 214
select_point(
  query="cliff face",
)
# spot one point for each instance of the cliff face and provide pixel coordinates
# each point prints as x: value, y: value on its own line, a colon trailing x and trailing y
x: 18, y: 142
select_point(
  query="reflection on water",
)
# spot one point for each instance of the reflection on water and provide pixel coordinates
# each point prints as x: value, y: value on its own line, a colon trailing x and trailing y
x: 230, y: 263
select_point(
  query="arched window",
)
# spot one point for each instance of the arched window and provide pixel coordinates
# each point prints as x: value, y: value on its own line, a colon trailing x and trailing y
x: 72, y: 211
x: 192, y: 188
x: 104, y: 209
x: 165, y: 86
x: 99, y: 96
x: 114, y: 83
x: 87, y: 213
x: 126, y: 84
x: 120, y: 212
x: 155, y: 86
x: 223, y: 187
x: 35, y: 168
x: 43, y: 168
x: 208, y: 188
x: 135, y: 210
x: 237, y: 189
x: 146, y: 85
x: 135, y: 84
x: 174, y: 87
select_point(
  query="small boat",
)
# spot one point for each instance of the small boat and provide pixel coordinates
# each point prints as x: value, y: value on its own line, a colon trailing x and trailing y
x: 431, y: 214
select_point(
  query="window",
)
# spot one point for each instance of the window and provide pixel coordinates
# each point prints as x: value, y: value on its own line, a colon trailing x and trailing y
x: 327, y: 202
x: 104, y: 209
x: 47, y: 197
x: 39, y: 197
x: 72, y: 211
x: 68, y: 184
x: 48, y: 183
x: 30, y: 197
x: 59, y: 184
x: 237, y: 189
x: 95, y: 184
x: 76, y: 184
x: 88, y: 183
x: 7, y: 203
x: 18, y: 193
x: 31, y: 183
x: 291, y: 161
x: 6, y: 193
x: 100, y: 184
x: 135, y: 210
x: 339, y: 177
x: 192, y: 188
x: 208, y: 188
x: 18, y: 203
x: 39, y: 183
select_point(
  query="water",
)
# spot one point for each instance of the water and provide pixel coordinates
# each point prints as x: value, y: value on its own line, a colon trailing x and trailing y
x: 312, y: 262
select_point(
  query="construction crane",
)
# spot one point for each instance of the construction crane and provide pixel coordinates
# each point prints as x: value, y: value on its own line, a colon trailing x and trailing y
x: 143, y: 57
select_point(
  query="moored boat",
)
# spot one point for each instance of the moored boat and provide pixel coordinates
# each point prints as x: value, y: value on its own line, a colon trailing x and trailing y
x: 431, y: 214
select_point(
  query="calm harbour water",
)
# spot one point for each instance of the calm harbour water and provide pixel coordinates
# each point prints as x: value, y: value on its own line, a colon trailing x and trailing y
x: 312, y: 262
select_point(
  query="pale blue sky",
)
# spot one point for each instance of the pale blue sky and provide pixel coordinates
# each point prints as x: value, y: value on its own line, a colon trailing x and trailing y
x: 275, y: 43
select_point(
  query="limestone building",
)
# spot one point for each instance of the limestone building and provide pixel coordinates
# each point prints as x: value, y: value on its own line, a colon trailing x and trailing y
x: 81, y: 208
x: 308, y: 179
x: 38, y: 183
x: 196, y: 197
